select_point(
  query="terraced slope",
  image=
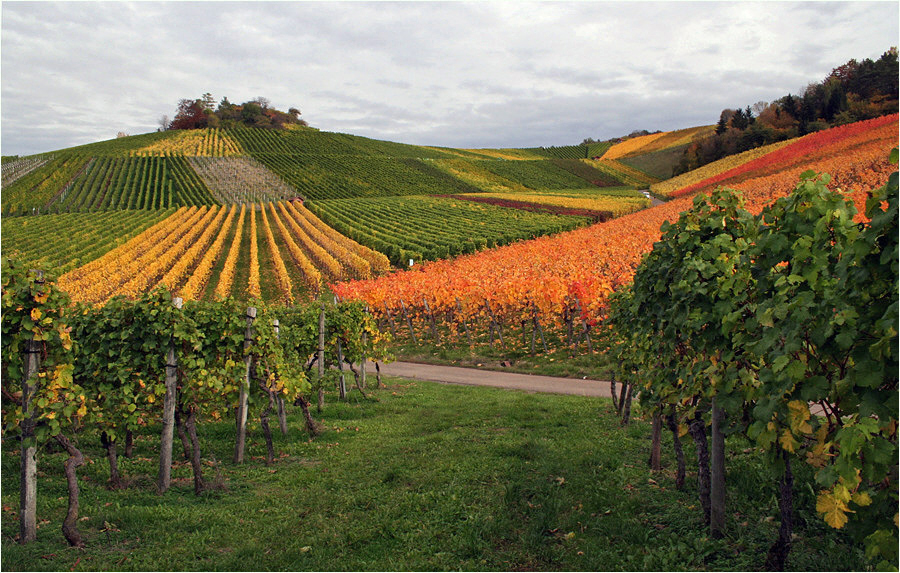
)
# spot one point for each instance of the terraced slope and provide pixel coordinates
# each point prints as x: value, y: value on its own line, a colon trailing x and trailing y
x: 204, y: 211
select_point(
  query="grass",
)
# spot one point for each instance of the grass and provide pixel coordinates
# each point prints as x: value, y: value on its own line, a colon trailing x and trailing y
x: 422, y: 477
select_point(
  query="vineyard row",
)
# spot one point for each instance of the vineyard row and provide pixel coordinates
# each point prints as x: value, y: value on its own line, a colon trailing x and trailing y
x: 197, y: 253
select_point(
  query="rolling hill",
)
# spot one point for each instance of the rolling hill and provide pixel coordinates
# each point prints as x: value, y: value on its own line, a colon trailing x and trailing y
x: 281, y: 214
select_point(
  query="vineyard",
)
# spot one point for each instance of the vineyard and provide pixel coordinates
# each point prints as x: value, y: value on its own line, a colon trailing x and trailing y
x: 530, y: 251
x: 550, y: 276
x: 193, y: 143
x: 656, y: 142
x: 240, y: 180
x: 628, y: 175
x: 117, y: 366
x: 669, y: 186
x: 387, y: 196
x: 428, y: 228
x: 18, y: 168
x: 600, y: 207
x: 49, y: 241
x: 195, y: 253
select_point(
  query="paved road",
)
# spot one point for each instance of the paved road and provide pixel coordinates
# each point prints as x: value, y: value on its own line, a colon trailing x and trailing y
x: 476, y: 377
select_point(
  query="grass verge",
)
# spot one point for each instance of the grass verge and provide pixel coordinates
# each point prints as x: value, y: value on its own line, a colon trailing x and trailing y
x: 420, y: 477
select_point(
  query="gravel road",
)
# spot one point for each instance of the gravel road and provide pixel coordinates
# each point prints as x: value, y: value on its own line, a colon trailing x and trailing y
x: 476, y: 377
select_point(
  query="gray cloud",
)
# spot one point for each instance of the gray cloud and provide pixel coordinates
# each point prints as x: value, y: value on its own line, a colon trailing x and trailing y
x: 469, y: 74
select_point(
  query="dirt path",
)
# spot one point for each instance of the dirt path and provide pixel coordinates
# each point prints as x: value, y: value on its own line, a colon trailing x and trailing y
x: 475, y: 377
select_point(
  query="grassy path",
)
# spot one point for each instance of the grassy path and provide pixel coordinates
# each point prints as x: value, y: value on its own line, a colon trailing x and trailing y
x: 509, y: 380
x: 421, y: 477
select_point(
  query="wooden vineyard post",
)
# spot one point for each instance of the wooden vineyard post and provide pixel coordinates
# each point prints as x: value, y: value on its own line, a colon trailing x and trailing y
x: 390, y: 320
x: 626, y: 410
x: 462, y: 318
x: 622, y: 394
x: 243, y: 405
x: 342, y: 387
x: 363, y: 359
x: 408, y: 322
x: 321, y: 358
x: 717, y: 473
x: 612, y: 391
x: 28, y: 476
x: 168, y: 419
x: 279, y: 400
x: 434, y: 331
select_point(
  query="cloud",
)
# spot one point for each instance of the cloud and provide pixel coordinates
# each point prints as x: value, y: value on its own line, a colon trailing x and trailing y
x: 469, y: 74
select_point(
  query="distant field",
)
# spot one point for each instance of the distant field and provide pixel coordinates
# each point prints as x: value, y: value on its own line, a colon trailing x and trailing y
x: 62, y: 242
x: 428, y: 228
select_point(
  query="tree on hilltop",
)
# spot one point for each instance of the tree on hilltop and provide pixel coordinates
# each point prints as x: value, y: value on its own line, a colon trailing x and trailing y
x: 852, y: 92
x: 258, y: 112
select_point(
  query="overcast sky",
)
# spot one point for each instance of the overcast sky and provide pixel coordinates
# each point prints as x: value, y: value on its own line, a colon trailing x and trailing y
x: 460, y: 74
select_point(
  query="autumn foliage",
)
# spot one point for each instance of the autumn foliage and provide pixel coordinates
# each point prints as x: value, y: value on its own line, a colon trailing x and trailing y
x: 547, y: 273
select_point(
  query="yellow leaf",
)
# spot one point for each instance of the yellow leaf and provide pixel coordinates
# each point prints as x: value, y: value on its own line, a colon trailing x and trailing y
x: 861, y: 499
x: 787, y: 441
x: 82, y: 411
x: 833, y: 509
x: 841, y: 492
x: 798, y: 415
x: 36, y: 314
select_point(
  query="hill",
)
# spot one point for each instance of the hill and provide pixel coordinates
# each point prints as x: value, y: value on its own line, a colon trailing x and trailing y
x: 406, y: 202
x: 283, y: 213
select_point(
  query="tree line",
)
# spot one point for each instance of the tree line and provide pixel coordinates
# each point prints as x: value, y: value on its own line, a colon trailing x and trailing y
x: 853, y: 92
x: 203, y: 112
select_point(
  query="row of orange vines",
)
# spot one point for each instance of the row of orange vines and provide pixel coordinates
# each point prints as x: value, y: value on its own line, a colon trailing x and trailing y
x: 589, y: 263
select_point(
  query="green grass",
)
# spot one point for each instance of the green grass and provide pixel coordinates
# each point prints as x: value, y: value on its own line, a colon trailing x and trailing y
x: 422, y: 477
x: 659, y: 164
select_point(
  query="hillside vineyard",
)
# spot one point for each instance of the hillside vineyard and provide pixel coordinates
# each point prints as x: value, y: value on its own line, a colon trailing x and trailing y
x: 283, y: 214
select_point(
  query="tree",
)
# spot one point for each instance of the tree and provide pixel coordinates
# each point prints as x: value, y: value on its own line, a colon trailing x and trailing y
x: 739, y: 120
x: 724, y: 118
x: 190, y: 115
x: 207, y: 102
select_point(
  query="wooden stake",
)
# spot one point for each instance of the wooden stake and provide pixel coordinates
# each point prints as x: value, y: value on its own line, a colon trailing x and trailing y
x: 342, y: 388
x: 168, y: 420
x: 28, y: 475
x: 279, y: 399
x: 390, y: 318
x: 321, y: 358
x: 243, y: 405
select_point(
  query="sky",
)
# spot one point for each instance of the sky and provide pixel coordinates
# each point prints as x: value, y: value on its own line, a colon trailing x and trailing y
x: 490, y: 73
